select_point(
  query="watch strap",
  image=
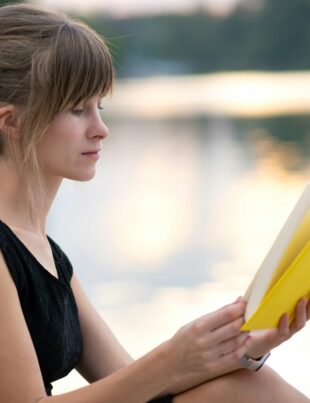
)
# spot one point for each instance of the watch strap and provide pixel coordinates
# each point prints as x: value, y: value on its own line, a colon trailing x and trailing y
x: 253, y: 364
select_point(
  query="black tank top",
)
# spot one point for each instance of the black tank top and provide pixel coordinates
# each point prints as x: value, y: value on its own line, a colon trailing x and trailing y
x: 48, y: 306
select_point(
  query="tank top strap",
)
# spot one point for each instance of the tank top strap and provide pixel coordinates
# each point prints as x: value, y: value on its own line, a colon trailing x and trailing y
x: 13, y: 256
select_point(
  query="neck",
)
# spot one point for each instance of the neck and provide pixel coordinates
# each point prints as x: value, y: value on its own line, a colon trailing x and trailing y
x: 14, y: 208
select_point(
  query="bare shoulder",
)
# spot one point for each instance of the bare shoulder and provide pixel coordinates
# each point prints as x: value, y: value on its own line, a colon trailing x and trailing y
x: 18, y: 360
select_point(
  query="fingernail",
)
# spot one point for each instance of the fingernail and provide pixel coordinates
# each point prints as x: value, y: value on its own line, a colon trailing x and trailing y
x: 239, y: 299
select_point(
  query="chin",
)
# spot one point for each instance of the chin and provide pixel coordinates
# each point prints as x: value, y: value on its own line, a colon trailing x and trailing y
x: 82, y: 177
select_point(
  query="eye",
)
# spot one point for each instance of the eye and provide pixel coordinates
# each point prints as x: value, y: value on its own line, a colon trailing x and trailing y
x: 77, y: 112
x: 100, y: 107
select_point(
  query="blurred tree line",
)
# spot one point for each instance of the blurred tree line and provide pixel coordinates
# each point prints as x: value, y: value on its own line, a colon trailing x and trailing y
x: 273, y: 36
x: 4, y: 2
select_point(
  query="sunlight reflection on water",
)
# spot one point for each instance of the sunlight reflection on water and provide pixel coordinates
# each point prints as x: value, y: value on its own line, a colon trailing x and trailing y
x: 247, y: 94
x: 175, y: 223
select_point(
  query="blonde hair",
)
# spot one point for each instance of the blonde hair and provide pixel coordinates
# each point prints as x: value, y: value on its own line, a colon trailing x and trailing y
x: 48, y: 61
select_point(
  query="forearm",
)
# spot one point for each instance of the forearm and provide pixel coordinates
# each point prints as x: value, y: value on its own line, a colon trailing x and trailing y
x: 139, y: 382
x: 98, y: 366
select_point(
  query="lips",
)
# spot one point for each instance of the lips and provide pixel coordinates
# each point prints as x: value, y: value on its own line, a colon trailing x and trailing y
x: 92, y: 152
x: 92, y: 155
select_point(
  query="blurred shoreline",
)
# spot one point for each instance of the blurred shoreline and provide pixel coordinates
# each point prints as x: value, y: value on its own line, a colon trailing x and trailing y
x: 246, y: 94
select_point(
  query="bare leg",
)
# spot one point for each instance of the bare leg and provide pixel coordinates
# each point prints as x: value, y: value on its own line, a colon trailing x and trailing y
x: 244, y: 386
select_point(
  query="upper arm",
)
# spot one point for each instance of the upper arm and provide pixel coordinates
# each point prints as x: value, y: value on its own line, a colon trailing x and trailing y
x: 20, y: 375
x: 102, y: 353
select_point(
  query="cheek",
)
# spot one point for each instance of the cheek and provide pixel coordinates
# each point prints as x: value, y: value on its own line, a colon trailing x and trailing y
x: 51, y: 153
x: 58, y: 142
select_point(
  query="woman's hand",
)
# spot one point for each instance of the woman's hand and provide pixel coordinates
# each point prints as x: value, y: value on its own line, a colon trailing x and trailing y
x: 209, y: 345
x: 262, y: 341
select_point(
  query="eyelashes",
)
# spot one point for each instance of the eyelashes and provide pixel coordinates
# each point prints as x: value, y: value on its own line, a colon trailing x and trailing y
x: 80, y: 111
x: 77, y: 112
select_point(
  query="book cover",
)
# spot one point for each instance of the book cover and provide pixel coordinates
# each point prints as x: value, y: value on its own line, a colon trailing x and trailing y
x: 284, y: 276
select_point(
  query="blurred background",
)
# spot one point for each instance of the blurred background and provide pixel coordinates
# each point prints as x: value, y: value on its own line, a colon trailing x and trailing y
x: 207, y: 154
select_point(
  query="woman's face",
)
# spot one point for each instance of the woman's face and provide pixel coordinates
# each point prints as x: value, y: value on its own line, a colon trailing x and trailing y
x: 70, y: 147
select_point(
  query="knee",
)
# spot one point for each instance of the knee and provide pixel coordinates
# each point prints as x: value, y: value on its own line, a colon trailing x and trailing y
x: 238, y: 380
x: 241, y: 386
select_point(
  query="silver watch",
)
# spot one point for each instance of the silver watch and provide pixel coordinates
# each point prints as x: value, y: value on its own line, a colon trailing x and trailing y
x: 253, y: 364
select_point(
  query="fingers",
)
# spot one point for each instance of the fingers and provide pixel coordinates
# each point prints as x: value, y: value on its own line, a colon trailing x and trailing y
x: 230, y: 358
x: 222, y: 317
x: 228, y: 351
x: 285, y: 329
x: 224, y: 341
x: 301, y: 313
x: 266, y: 341
x: 205, y: 342
x: 231, y: 345
x: 228, y: 331
x: 308, y: 310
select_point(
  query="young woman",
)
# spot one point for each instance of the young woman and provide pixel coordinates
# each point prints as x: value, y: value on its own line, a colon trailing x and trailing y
x: 53, y: 74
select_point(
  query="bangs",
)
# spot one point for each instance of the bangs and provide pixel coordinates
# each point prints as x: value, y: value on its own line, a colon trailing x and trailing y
x: 82, y: 66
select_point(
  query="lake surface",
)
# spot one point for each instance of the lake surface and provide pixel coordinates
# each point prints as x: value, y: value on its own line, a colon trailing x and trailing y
x: 181, y: 213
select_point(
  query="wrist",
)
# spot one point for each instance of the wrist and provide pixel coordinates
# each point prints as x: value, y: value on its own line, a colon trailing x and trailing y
x: 167, y: 355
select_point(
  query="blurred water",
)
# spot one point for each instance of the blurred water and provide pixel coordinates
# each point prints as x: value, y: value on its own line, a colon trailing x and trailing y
x: 177, y: 220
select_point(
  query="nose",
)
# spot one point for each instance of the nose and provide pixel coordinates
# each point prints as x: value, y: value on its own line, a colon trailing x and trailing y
x: 98, y: 130
x: 103, y: 132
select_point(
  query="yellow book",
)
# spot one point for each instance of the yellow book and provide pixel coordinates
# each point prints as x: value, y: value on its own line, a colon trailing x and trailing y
x: 284, y: 276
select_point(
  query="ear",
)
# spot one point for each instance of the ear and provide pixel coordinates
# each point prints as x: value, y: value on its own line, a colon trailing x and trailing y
x: 9, y: 122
